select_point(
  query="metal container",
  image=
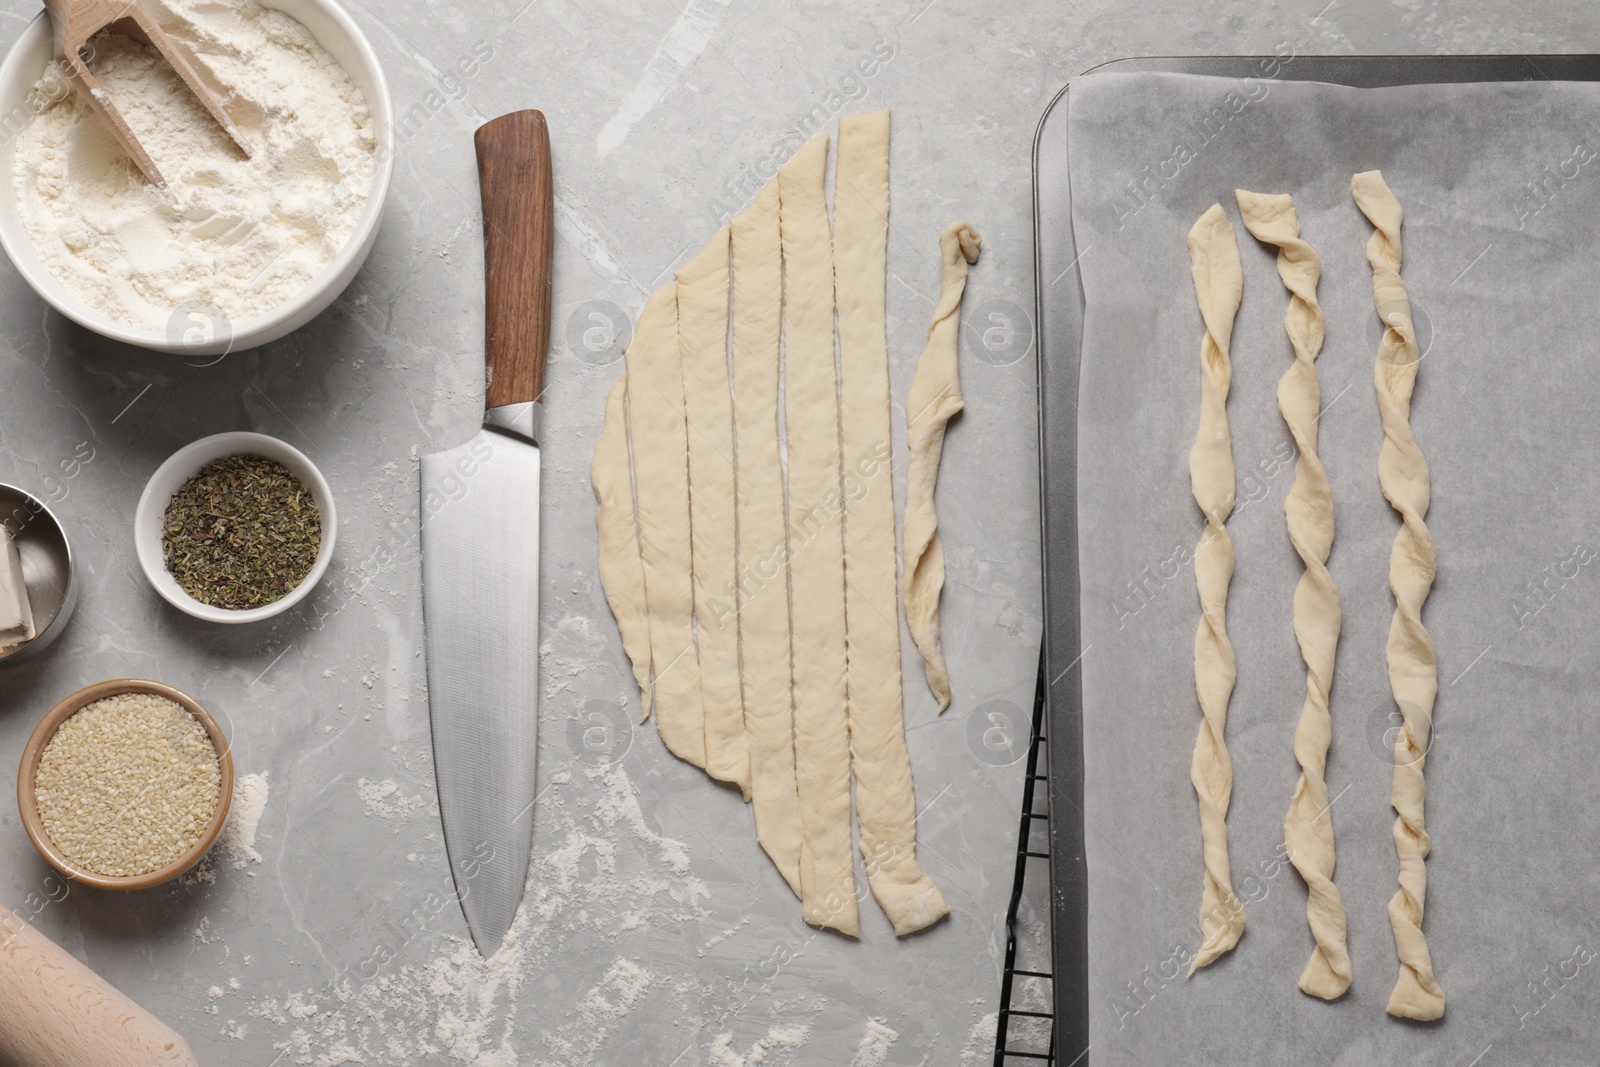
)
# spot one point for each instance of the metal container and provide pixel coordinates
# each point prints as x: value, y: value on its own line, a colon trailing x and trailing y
x: 47, y: 569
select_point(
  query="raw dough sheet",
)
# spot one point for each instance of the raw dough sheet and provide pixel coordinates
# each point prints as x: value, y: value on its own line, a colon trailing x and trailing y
x: 1502, y: 286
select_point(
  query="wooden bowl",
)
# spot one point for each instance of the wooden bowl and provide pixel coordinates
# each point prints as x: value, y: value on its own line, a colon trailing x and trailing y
x: 28, y: 801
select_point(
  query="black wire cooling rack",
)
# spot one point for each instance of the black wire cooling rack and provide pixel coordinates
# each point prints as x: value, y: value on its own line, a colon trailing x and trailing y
x: 1025, y: 1026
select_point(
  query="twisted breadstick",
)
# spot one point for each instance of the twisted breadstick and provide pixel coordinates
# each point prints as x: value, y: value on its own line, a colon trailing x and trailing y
x: 1413, y: 676
x: 1218, y: 285
x: 1308, y: 509
x: 934, y: 400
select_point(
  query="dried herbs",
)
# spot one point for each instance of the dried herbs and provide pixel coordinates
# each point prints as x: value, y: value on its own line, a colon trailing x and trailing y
x: 241, y: 533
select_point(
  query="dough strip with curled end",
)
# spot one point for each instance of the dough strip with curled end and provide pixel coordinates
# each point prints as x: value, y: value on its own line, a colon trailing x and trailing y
x: 934, y: 400
x: 886, y: 806
x: 621, y: 568
x: 816, y: 544
x: 1308, y: 511
x: 1218, y: 285
x: 1413, y: 674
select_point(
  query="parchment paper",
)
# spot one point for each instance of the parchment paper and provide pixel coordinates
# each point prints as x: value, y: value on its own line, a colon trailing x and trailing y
x: 1502, y: 277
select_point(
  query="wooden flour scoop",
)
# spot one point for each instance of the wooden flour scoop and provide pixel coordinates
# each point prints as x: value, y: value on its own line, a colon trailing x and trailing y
x: 76, y: 21
x: 55, y: 1012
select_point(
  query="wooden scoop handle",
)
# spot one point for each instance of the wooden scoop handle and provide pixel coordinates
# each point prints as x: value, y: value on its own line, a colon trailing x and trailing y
x: 74, y: 22
x: 518, y: 235
x: 55, y: 1012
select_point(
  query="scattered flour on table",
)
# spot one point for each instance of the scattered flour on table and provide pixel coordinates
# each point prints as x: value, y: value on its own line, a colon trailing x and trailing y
x: 778, y: 1047
x: 599, y: 1010
x: 242, y: 235
x: 875, y: 1044
x: 980, y: 1040
x: 427, y: 996
x: 244, y: 820
x: 385, y: 801
x: 569, y: 650
x: 715, y: 940
x: 237, y: 842
x: 1023, y: 1032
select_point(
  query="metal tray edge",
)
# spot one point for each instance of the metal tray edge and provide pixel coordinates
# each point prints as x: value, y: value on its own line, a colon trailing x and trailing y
x: 1058, y: 354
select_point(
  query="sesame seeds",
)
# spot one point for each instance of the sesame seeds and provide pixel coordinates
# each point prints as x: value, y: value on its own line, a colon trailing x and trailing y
x: 128, y: 784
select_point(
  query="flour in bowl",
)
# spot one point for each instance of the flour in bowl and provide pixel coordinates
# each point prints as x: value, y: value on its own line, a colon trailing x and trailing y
x: 241, y: 235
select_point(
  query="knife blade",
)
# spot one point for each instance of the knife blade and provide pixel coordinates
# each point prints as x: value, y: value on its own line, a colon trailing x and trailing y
x: 480, y: 549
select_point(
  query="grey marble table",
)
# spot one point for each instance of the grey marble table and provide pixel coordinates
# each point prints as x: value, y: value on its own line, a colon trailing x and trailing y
x: 654, y: 931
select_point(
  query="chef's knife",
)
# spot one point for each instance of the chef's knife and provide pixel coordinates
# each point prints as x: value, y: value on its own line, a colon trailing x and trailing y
x: 480, y: 549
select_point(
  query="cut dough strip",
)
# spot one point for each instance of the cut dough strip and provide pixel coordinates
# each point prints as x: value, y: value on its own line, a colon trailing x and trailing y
x: 885, y: 798
x: 1413, y: 675
x: 763, y: 537
x: 1218, y: 284
x: 708, y: 405
x: 934, y: 400
x: 661, y: 480
x: 1308, y: 511
x: 816, y: 545
x: 621, y: 569
x: 757, y: 600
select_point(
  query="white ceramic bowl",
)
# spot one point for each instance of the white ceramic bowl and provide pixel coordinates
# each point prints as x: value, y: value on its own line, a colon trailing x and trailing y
x: 185, y: 463
x: 334, y: 31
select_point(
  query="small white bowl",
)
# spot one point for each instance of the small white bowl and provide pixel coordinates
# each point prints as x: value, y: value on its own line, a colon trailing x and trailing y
x: 184, y: 464
x: 338, y: 34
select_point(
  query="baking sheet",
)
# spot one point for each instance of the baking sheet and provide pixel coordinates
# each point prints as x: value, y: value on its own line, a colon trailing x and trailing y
x: 1498, y: 275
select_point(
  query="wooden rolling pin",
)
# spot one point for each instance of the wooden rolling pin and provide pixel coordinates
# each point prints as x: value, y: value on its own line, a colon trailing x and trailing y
x: 55, y: 1012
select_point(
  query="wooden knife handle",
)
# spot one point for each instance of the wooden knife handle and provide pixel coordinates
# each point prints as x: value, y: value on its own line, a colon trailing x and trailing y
x: 518, y: 233
x: 55, y: 1012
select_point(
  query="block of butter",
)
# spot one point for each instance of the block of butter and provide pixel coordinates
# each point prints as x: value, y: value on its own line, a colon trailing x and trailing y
x: 16, y: 616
